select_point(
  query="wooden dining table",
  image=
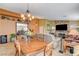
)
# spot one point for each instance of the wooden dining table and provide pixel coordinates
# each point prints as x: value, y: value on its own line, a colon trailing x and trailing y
x: 32, y: 46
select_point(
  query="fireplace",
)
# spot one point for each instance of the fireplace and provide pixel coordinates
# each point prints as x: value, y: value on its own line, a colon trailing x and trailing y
x: 3, y: 39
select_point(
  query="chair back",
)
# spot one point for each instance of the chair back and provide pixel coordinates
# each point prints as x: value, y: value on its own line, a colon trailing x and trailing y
x: 17, y: 47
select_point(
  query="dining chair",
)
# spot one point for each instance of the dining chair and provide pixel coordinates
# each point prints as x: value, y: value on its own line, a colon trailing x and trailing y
x: 76, y: 50
x: 17, y: 48
x: 49, y: 49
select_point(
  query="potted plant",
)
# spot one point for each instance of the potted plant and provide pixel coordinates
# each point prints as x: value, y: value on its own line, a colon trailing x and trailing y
x: 12, y: 37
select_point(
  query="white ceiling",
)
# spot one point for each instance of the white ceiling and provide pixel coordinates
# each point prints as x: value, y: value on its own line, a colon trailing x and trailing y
x: 46, y: 10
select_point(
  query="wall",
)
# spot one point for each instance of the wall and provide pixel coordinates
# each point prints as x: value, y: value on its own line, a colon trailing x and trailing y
x: 7, y: 27
x: 41, y: 25
x: 46, y: 26
x: 34, y: 25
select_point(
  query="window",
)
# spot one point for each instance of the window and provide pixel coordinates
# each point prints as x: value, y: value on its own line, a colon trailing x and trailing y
x: 21, y: 28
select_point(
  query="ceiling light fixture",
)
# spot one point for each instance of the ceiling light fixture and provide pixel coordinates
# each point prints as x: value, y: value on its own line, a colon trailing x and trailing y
x: 23, y: 16
x: 27, y: 15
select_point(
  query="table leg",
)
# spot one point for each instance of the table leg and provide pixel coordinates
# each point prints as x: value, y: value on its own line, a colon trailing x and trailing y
x: 44, y: 50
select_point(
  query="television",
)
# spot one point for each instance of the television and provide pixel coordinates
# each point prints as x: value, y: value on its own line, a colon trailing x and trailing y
x: 61, y: 27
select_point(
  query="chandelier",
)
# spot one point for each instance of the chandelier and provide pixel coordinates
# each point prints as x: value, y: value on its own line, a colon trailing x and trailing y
x: 27, y: 15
